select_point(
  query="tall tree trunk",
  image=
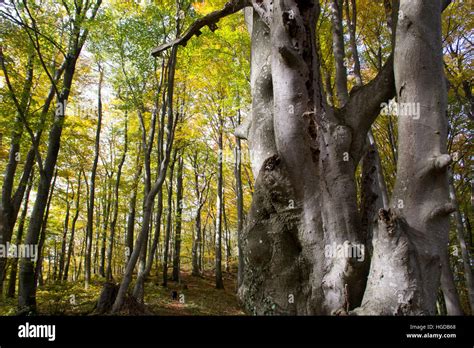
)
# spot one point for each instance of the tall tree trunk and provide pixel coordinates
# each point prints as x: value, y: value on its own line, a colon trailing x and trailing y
x: 227, y: 241
x: 462, y: 242
x: 10, y: 201
x: 105, y: 225
x: 220, y: 192
x: 196, y: 253
x: 91, y: 203
x: 169, y: 221
x: 113, y: 223
x: 147, y: 209
x: 415, y: 230
x: 44, y: 225
x: 339, y: 51
x: 240, y: 202
x: 132, y: 208
x: 448, y: 287
x: 179, y: 212
x: 19, y: 235
x: 73, y: 229
x: 27, y: 287
x: 352, y: 24
x: 62, y: 255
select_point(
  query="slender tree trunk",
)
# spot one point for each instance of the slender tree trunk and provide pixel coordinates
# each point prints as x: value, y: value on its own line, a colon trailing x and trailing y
x: 448, y: 287
x: 240, y: 202
x: 132, y: 208
x: 116, y: 204
x: 169, y: 221
x: 19, y: 235
x: 105, y: 226
x: 141, y: 240
x: 73, y: 229
x: 352, y: 23
x: 62, y: 255
x: 339, y: 51
x: 90, y: 205
x: 179, y: 212
x: 39, y: 262
x: 218, y: 261
x: 197, y: 250
x: 462, y: 242
x: 227, y: 241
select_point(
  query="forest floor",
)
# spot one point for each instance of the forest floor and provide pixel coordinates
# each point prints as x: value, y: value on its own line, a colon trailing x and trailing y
x: 195, y: 296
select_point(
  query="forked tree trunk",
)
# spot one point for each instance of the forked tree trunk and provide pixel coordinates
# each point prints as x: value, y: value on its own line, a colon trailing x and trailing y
x: 303, y: 245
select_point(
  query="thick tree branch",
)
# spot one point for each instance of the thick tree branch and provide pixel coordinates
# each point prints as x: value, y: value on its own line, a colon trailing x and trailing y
x: 365, y: 102
x: 209, y: 20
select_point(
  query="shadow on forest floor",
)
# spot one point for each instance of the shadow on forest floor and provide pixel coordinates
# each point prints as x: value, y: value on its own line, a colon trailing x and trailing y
x: 194, y: 296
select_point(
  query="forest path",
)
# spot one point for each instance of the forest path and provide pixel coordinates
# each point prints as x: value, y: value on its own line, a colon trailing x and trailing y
x: 196, y: 296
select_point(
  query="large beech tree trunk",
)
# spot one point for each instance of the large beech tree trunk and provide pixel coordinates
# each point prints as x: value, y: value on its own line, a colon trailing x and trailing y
x: 412, y: 236
x: 304, y: 156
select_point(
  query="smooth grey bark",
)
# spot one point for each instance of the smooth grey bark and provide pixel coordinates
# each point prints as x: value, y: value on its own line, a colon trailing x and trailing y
x: 299, y: 188
x: 179, y: 212
x: 352, y: 24
x: 91, y: 202
x: 339, y: 51
x: 260, y: 135
x: 414, y: 232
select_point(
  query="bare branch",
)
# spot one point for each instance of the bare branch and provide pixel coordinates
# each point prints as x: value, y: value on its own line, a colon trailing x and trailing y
x: 209, y: 20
